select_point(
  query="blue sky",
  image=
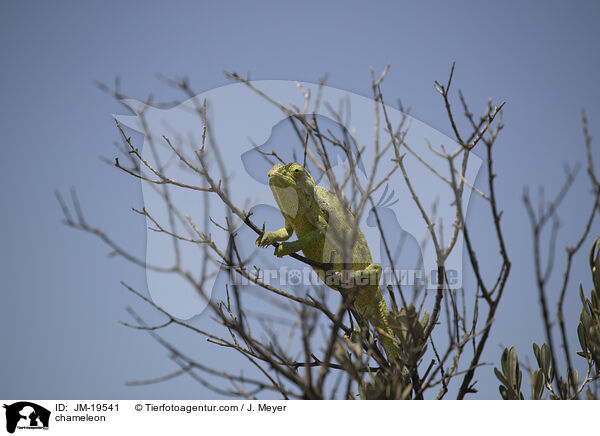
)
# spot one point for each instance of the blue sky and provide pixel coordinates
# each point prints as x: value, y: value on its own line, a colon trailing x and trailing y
x: 60, y: 293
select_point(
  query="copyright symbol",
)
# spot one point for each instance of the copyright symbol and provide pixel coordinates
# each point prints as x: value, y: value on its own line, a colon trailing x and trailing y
x: 138, y: 407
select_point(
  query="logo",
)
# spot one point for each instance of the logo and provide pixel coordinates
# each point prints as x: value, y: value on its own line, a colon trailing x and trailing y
x: 248, y: 135
x: 26, y: 415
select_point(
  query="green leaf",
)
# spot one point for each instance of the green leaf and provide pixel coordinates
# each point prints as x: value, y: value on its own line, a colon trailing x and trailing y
x: 513, y: 364
x: 545, y: 352
x: 505, y: 367
x: 511, y: 375
x: 595, y: 264
x: 581, y: 334
x: 592, y: 250
x: 536, y: 352
x: 500, y: 377
x: 537, y: 385
x: 503, y: 392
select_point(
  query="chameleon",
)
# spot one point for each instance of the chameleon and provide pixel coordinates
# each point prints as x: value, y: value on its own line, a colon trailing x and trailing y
x: 321, y: 222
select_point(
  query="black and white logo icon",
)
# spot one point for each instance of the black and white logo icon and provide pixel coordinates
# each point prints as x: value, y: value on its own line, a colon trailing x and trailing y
x: 26, y: 415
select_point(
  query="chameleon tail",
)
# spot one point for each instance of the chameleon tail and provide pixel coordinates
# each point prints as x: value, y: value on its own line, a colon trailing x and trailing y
x: 376, y: 312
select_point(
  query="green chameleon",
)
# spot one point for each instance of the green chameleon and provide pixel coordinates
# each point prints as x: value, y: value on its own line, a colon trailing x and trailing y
x: 321, y: 223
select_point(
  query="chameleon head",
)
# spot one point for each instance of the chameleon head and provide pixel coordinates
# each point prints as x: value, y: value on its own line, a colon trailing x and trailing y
x: 292, y: 185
